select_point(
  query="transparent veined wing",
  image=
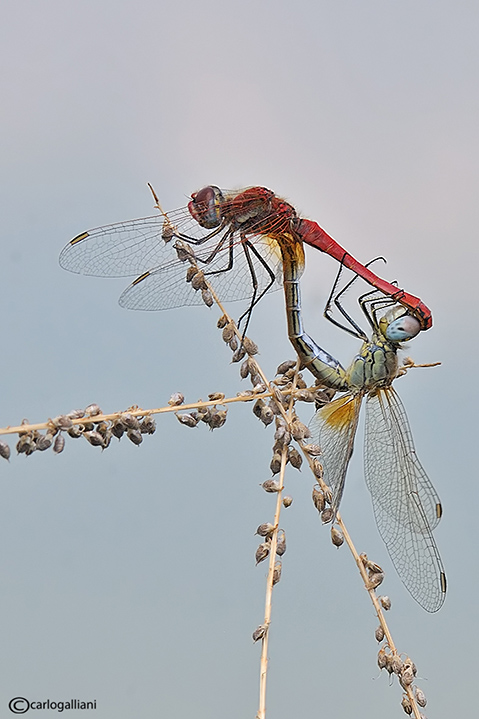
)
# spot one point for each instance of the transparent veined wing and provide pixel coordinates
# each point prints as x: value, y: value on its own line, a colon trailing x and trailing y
x: 406, y: 505
x: 238, y: 271
x: 124, y: 249
x: 335, y: 424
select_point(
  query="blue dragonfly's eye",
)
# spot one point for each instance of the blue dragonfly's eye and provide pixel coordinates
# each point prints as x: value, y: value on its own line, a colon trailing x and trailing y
x: 403, y: 329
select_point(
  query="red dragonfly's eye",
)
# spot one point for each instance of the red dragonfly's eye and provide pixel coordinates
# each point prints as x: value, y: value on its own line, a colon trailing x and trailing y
x: 206, y: 205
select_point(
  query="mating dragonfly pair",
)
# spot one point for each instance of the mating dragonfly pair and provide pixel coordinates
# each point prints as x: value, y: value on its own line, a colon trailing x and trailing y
x: 244, y: 244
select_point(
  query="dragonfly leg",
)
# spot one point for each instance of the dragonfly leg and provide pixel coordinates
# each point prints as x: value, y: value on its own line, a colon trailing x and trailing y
x: 334, y: 297
x: 247, y: 248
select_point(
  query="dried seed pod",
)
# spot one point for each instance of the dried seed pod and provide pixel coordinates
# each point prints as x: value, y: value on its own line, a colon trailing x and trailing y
x: 327, y: 515
x: 59, y: 444
x: 271, y: 486
x: 233, y: 344
x: 285, y: 366
x: 87, y: 426
x: 322, y: 398
x: 217, y: 418
x: 375, y: 579
x: 274, y: 407
x: 265, y: 530
x: 261, y: 553
x: 300, y: 383
x: 259, y: 632
x: 389, y: 667
x: 382, y: 660
x: 184, y: 251
x: 282, y: 435
x: 312, y: 449
x: 94, y: 438
x: 420, y: 697
x: 92, y: 410
x: 294, y: 458
x: 207, y: 297
x: 187, y: 419
x: 228, y: 332
x: 222, y: 322
x: 4, y: 450
x: 275, y: 464
x: 168, y: 231
x: 261, y: 387
x: 406, y: 677
x: 245, y: 393
x: 408, y: 662
x: 266, y: 415
x: 278, y: 395
x: 336, y: 537
x: 371, y: 566
x: 397, y: 664
x: 148, y: 425
x: 318, y: 469
x: 277, y: 572
x: 281, y: 543
x: 216, y: 396
x: 102, y: 428
x: 245, y: 368
x: 305, y: 395
x: 299, y: 430
x: 43, y: 442
x: 75, y: 431
x: 287, y: 501
x: 135, y: 436
x: 250, y: 346
x: 191, y: 272
x: 130, y: 421
x: 62, y: 422
x: 385, y: 602
x: 406, y: 704
x: 239, y: 354
x: 176, y: 399
x: 118, y: 427
x: 318, y: 497
x: 76, y: 414
x: 258, y: 407
x: 203, y: 414
x: 379, y: 633
x: 198, y: 281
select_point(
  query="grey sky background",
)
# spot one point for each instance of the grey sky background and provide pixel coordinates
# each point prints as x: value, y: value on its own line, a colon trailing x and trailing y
x: 128, y: 576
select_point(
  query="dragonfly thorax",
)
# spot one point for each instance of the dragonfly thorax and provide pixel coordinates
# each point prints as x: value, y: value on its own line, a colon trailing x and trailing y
x: 375, y: 366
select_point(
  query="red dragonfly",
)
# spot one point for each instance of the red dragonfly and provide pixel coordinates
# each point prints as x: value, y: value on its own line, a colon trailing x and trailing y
x: 238, y: 239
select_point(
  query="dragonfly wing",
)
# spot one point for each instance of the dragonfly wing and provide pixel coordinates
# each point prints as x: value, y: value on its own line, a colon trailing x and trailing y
x: 402, y: 497
x: 389, y: 429
x: 231, y: 272
x: 123, y: 249
x: 336, y: 425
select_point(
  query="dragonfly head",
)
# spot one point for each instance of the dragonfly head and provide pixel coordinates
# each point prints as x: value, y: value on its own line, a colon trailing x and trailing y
x: 398, y: 326
x: 205, y: 206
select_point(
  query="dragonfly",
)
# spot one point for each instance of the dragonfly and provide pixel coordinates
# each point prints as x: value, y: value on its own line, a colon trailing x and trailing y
x: 238, y: 239
x: 406, y: 506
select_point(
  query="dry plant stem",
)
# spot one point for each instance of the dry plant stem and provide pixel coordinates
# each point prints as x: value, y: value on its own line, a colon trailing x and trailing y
x: 138, y: 412
x: 272, y: 559
x: 269, y: 592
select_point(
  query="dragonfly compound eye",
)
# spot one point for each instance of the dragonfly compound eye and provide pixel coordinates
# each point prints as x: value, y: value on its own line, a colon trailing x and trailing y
x: 206, y: 205
x: 402, y: 329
